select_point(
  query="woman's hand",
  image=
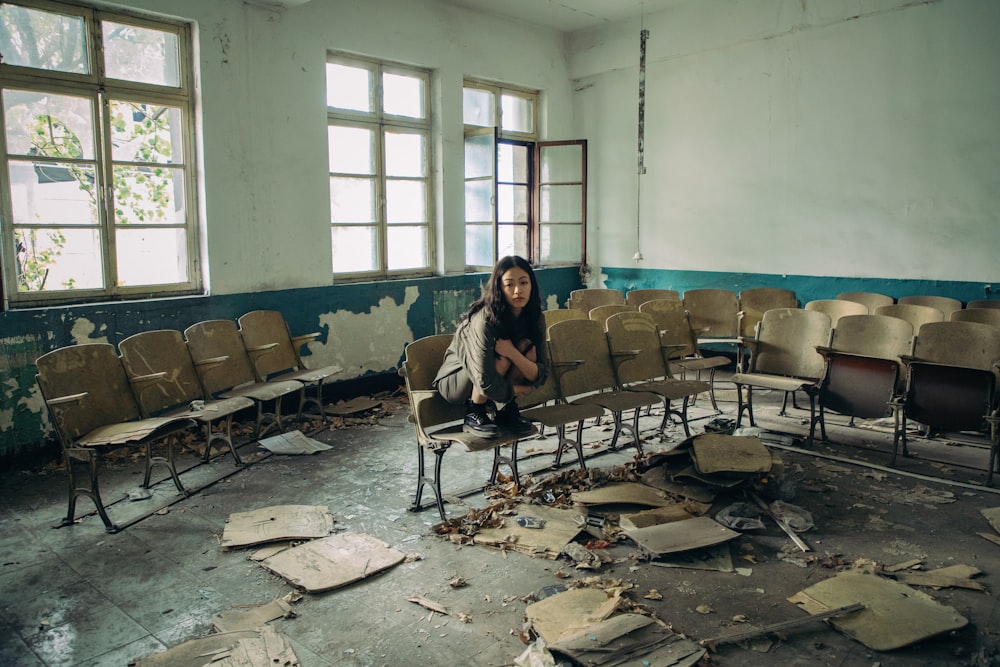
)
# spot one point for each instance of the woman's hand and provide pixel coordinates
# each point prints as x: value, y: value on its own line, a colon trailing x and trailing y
x: 505, y: 348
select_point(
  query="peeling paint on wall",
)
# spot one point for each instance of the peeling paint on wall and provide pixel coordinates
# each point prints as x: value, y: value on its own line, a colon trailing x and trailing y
x: 552, y: 302
x: 82, y: 330
x: 369, y: 342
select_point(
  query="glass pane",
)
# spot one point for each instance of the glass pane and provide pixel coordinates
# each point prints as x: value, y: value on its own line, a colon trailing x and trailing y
x: 405, y: 201
x: 512, y: 203
x: 561, y: 203
x: 46, y: 124
x: 348, y: 87
x: 132, y: 53
x: 353, y: 249
x: 53, y: 193
x: 559, y: 243
x: 404, y: 154
x: 561, y: 164
x: 477, y: 107
x: 35, y: 38
x: 352, y: 200
x: 149, y: 195
x: 145, y: 133
x: 512, y: 163
x: 479, y: 201
x: 403, y: 95
x: 151, y: 256
x: 352, y: 149
x: 479, y: 156
x: 406, y: 248
x: 517, y: 114
x: 479, y: 245
x: 512, y: 240
x: 58, y: 259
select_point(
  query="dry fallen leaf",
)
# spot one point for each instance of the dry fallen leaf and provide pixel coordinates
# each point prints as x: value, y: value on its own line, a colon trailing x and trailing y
x: 653, y: 594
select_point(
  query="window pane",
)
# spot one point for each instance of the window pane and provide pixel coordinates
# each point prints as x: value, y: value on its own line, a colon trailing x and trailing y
x: 149, y: 196
x: 512, y: 163
x: 352, y: 150
x: 151, y: 256
x: 348, y: 87
x: 561, y: 164
x: 53, y: 193
x: 403, y: 95
x: 404, y: 154
x: 479, y: 245
x: 132, y: 53
x: 512, y: 240
x: 407, y: 248
x: 353, y: 249
x: 352, y: 200
x: 49, y: 125
x: 479, y: 201
x: 479, y: 156
x: 477, y: 107
x: 58, y: 259
x: 561, y: 203
x: 35, y: 38
x: 559, y: 243
x: 517, y: 114
x: 405, y: 201
x: 145, y: 133
x: 512, y: 203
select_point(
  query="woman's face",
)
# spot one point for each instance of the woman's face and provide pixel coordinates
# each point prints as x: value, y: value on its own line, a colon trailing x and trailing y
x: 516, y: 285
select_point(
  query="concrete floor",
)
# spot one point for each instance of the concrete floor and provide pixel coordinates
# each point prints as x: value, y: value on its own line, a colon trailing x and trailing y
x: 79, y: 596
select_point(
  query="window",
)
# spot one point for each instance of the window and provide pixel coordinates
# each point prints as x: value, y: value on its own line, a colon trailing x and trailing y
x: 378, y: 133
x: 522, y: 197
x: 97, y: 148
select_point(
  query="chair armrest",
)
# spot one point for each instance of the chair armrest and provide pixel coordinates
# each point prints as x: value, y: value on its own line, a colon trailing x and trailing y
x: 625, y: 353
x: 258, y: 349
x: 212, y: 361
x: 66, y: 400
x: 148, y: 378
x: 563, y: 367
x: 304, y: 338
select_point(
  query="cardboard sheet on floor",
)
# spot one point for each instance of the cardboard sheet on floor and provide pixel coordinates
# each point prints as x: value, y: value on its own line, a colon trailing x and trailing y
x: 894, y: 616
x: 629, y: 639
x: 726, y: 481
x: 654, y: 516
x: 716, y: 559
x: 624, y: 493
x: 992, y: 515
x: 235, y: 619
x: 668, y: 538
x: 353, y: 406
x: 716, y: 453
x: 659, y: 478
x: 279, y: 522
x: 560, y: 528
x: 293, y: 443
x: 567, y: 613
x: 334, y: 561
x: 260, y: 647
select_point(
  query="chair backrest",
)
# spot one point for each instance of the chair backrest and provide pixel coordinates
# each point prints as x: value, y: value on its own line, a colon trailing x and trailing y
x: 876, y: 336
x: 756, y: 301
x: 984, y: 303
x: 161, y: 351
x: 837, y: 308
x: 637, y: 297
x: 422, y: 360
x: 967, y: 344
x: 636, y: 331
x: 672, y: 321
x: 268, y: 343
x: 586, y: 341
x: 592, y: 297
x: 562, y: 314
x: 916, y: 315
x: 713, y: 312
x: 95, y: 370
x: 602, y: 313
x: 871, y: 299
x: 787, y: 342
x: 989, y: 316
x: 943, y: 303
x: 219, y: 355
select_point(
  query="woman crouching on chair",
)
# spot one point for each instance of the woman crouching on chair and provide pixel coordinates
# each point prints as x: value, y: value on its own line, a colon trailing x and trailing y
x: 498, y: 352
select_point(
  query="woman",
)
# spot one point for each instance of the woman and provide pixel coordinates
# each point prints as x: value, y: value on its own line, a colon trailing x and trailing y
x: 498, y: 352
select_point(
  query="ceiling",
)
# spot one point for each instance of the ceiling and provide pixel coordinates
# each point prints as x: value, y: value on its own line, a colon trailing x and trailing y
x: 568, y: 15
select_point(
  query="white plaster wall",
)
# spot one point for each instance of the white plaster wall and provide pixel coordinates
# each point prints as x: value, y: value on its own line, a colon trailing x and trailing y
x: 841, y: 138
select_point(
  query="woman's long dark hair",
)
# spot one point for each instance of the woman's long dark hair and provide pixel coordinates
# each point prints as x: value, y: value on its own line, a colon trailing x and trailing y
x: 497, y: 310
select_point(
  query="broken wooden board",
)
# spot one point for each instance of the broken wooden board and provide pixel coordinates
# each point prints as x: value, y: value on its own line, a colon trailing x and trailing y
x: 249, y: 618
x: 717, y: 453
x: 694, y: 533
x: 334, y: 561
x: 895, y: 615
x: 280, y: 522
x: 353, y: 406
x: 569, y: 612
x: 624, y: 493
x: 293, y: 443
x: 992, y: 514
x: 953, y: 576
x: 632, y: 639
x: 561, y: 526
x: 654, y: 517
x: 260, y: 647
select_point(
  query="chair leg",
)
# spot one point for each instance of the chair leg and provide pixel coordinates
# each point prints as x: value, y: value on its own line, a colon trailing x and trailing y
x: 899, y: 432
x: 565, y: 443
x: 225, y: 436
x: 711, y: 390
x: 86, y: 458
x: 814, y: 417
x: 511, y: 462
x: 744, y: 405
x: 632, y: 427
x: 433, y: 483
x: 169, y: 461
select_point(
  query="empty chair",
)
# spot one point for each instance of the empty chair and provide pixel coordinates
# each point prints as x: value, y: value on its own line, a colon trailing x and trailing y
x: 92, y: 408
x: 165, y: 383
x: 592, y: 297
x: 225, y: 371
x: 915, y: 314
x: 989, y: 316
x: 561, y: 314
x: 274, y: 353
x: 784, y: 356
x: 984, y: 303
x: 637, y: 297
x: 871, y: 299
x: 713, y: 313
x: 586, y: 375
x: 863, y: 367
x: 837, y: 308
x: 943, y: 303
x: 951, y: 384
x: 757, y: 301
x: 641, y: 364
x: 602, y: 313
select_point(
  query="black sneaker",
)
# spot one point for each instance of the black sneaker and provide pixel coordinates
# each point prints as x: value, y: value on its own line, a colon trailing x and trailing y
x: 510, y: 418
x: 478, y: 422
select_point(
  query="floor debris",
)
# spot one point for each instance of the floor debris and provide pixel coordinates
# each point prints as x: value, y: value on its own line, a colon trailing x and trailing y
x: 292, y: 443
x: 260, y: 647
x: 331, y: 562
x: 280, y: 522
